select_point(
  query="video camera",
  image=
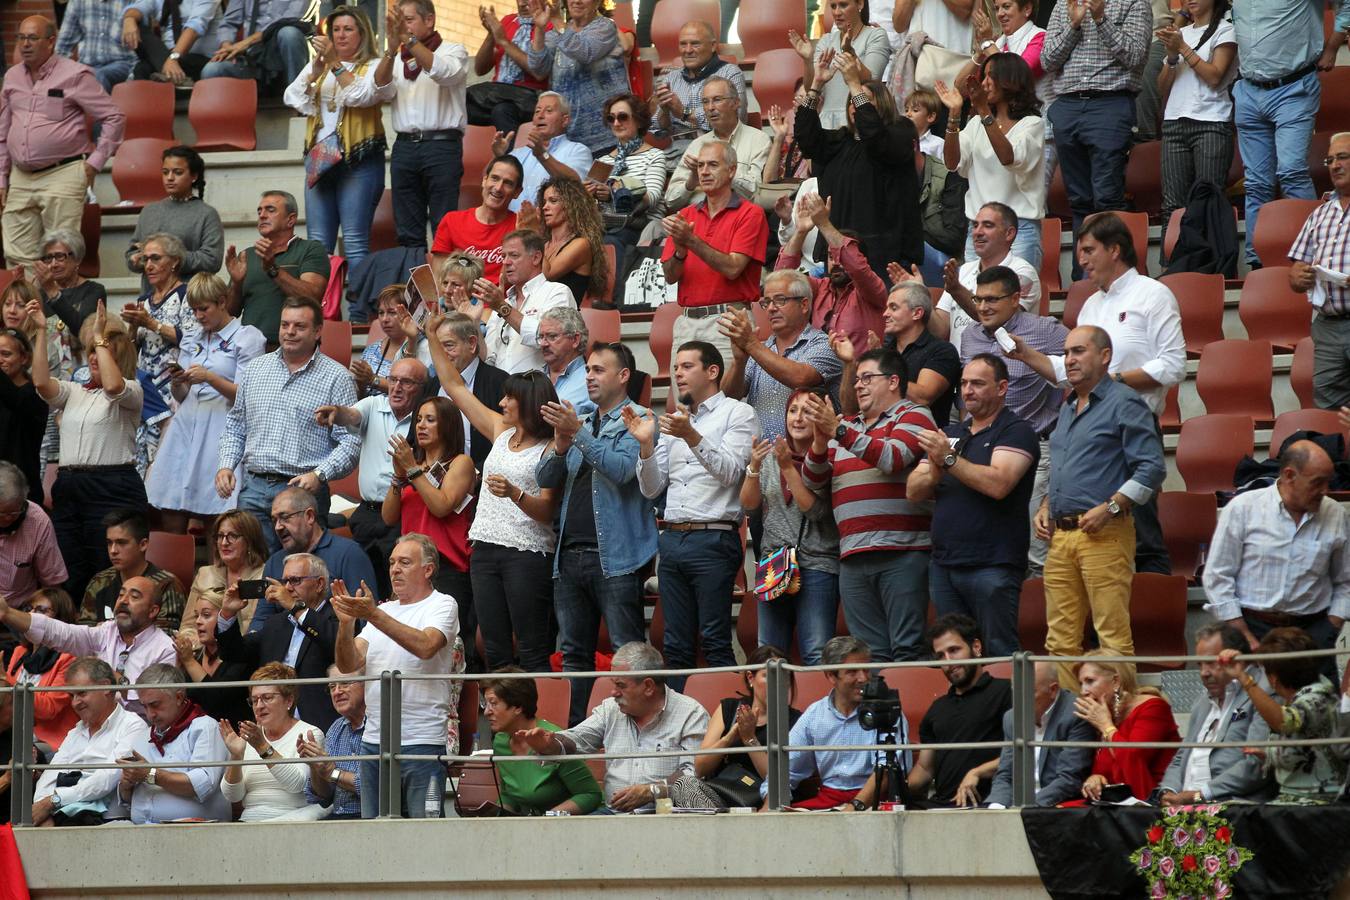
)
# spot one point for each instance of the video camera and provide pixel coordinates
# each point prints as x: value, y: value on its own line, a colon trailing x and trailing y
x: 879, y: 710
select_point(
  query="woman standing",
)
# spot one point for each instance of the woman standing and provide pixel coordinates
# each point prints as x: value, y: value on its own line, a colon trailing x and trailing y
x: 344, y: 140
x: 183, y: 214
x: 204, y: 382
x: 636, y: 169
x: 275, y: 790
x: 63, y: 289
x: 584, y: 62
x: 98, y: 443
x: 795, y: 517
x: 853, y: 33
x: 44, y: 667
x: 23, y: 414
x: 1002, y: 148
x: 574, y: 253
x: 1114, y: 704
x: 511, y: 569
x: 238, y: 552
x: 200, y: 661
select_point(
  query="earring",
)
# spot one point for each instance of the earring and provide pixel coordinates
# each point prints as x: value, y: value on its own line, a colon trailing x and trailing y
x: 1115, y: 705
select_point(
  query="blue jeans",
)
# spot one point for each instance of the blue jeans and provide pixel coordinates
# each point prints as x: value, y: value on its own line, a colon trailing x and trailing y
x: 885, y: 595
x: 1093, y: 138
x: 113, y: 73
x: 811, y: 611
x: 988, y: 594
x: 581, y: 595
x: 292, y: 45
x: 424, y: 176
x: 346, y: 197
x: 1274, y: 130
x: 1026, y: 245
x: 256, y: 495
x: 697, y: 572
x: 419, y: 781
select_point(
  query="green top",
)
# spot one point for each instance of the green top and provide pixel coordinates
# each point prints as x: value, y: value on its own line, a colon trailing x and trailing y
x: 535, y: 787
x: 262, y: 298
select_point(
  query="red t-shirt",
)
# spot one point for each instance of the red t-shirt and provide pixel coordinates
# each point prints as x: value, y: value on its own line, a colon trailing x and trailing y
x: 461, y: 230
x: 511, y: 24
x: 739, y: 228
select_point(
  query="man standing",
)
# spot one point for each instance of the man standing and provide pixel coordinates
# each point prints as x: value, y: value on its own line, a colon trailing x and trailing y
x: 272, y: 26
x: 479, y: 231
x: 29, y: 558
x: 91, y: 28
x: 512, y: 339
x: 1106, y: 459
x: 971, y: 711
x: 1094, y: 53
x: 128, y: 537
x: 698, y: 460
x: 272, y: 428
x: 456, y: 344
x: 413, y: 633
x: 1279, y: 556
x: 563, y: 338
x: 714, y: 251
x: 45, y: 164
x: 1058, y: 772
x: 1325, y: 241
x: 1280, y: 50
x: 173, y: 41
x: 679, y: 110
x: 1223, y: 713
x: 376, y: 419
x: 427, y: 86
x: 980, y: 473
x: 548, y: 151
x: 993, y: 231
x: 795, y: 357
x: 861, y: 465
x: 722, y: 108
x: 606, y: 530
x: 337, y: 785
x: 278, y: 266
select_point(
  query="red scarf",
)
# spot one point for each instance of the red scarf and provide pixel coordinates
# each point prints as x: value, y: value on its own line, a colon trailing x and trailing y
x: 191, y: 711
x: 410, y: 67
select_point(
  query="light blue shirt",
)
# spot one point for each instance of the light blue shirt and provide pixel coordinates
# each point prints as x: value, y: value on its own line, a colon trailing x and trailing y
x: 201, y: 740
x: 1277, y: 37
x: 568, y: 152
x: 823, y: 724
x: 571, y: 386
x: 239, y: 14
x: 375, y: 472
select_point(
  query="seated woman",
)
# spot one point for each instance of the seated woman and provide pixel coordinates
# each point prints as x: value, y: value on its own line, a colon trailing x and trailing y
x: 44, y: 667
x: 238, y: 552
x: 276, y: 790
x: 184, y: 214
x: 1305, y: 775
x: 457, y: 275
x: 574, y: 252
x: 1114, y: 704
x: 401, y: 339
x: 199, y: 658
x: 511, y: 705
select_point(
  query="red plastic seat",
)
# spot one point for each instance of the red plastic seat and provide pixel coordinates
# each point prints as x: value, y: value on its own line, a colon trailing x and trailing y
x: 348, y: 486
x: 1271, y: 310
x: 1187, y: 522
x: 175, y: 553
x: 1210, y: 447
x: 1322, y: 420
x: 7, y: 277
x: 662, y: 337
x: 1031, y: 616
x: 555, y: 699
x: 1235, y: 377
x: 1052, y: 232
x: 1057, y: 198
x: 1137, y: 222
x: 711, y: 688
x: 1317, y: 167
x: 764, y: 26
x: 1200, y: 299
x: 477, y: 154
x: 672, y: 15
x: 468, y: 714
x: 604, y: 325
x: 224, y: 113
x: 918, y: 688
x: 136, y: 173
x: 1301, y: 373
x: 91, y: 229
x: 1333, y: 112
x: 775, y: 77
x: 1079, y: 292
x: 336, y: 341
x: 1158, y: 618
x: 1277, y: 225
x: 148, y: 106
x: 1143, y: 178
x: 1170, y: 420
x: 1173, y: 230
x: 383, y: 231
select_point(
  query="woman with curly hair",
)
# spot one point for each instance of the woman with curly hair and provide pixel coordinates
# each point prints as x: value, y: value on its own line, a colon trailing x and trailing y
x: 574, y: 254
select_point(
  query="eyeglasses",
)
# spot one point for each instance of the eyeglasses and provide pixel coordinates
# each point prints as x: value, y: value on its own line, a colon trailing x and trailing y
x: 404, y: 382
x: 866, y: 377
x: 723, y: 98
x: 55, y: 257
x: 228, y: 537
x: 30, y: 38
x: 296, y: 580
x: 287, y: 516
x: 550, y: 338
x: 154, y: 258
x: 258, y: 699
x: 121, y: 666
x: 990, y: 301
x: 617, y: 117
x: 777, y: 301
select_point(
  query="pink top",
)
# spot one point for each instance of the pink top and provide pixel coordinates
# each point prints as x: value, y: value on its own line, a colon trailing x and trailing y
x: 43, y: 122
x: 854, y: 310
x: 29, y: 558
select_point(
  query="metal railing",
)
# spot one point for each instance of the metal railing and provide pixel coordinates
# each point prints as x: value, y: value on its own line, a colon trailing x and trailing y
x: 24, y: 772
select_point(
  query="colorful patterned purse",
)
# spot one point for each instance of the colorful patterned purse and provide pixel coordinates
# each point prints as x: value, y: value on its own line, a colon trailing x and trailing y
x: 322, y: 157
x: 777, y: 573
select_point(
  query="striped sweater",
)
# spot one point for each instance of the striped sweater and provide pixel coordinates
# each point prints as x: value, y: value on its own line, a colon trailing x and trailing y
x: 865, y: 478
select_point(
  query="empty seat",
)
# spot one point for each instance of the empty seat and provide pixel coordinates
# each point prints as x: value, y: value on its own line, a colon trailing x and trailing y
x: 336, y: 342
x: 672, y: 15
x: 91, y: 229
x: 710, y: 688
x: 1170, y: 420
x: 918, y: 688
x: 1200, y: 299
x: 663, y: 336
x: 775, y: 77
x: 1187, y: 522
x: 224, y: 113
x: 555, y: 698
x: 1210, y: 447
x: 1051, y: 243
x: 7, y: 277
x: 764, y: 26
x: 1079, y: 292
x: 148, y: 106
x: 1143, y: 177
x: 383, y: 231
x: 1333, y: 111
x: 175, y: 553
x: 1158, y: 618
x: 1057, y: 199
x: 1031, y: 616
x: 1317, y: 166
x: 477, y: 154
x: 1277, y: 224
x: 1321, y: 420
x: 603, y: 324
x: 1301, y: 373
x: 1235, y: 377
x: 1137, y: 222
x: 136, y: 172
x: 1273, y: 311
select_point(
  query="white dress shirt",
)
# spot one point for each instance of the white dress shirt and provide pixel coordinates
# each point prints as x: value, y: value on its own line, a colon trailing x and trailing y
x: 469, y: 374
x: 518, y: 351
x: 113, y: 740
x: 1030, y: 299
x: 1142, y: 317
x: 703, y: 483
x: 1196, y: 775
x: 434, y: 101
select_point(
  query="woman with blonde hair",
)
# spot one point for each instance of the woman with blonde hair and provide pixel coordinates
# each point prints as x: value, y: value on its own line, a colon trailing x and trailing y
x: 1112, y: 701
x: 276, y: 790
x: 238, y: 552
x: 574, y: 252
x: 199, y: 658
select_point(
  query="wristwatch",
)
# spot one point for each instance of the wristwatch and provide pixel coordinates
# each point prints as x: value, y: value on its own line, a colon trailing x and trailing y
x: 412, y: 41
x: 272, y: 270
x: 841, y: 432
x: 268, y: 753
x: 175, y: 55
x: 988, y: 120
x: 55, y: 798
x: 1118, y: 377
x: 150, y: 776
x: 949, y: 460
x: 1113, y: 507
x: 545, y: 156
x: 857, y: 804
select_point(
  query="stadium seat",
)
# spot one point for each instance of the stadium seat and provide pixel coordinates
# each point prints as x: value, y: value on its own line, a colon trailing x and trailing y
x: 1158, y: 618
x: 1143, y: 178
x: 1079, y: 292
x: 6, y: 278
x: 1271, y: 310
x: 607, y: 292
x: 477, y: 154
x: 1235, y: 377
x: 383, y: 231
x: 1210, y: 447
x: 1321, y: 420
x: 1057, y: 199
x: 347, y: 486
x: 1277, y: 225
x: 336, y: 342
x: 672, y: 15
x: 775, y: 76
x: 710, y: 688
x: 623, y: 16
x: 918, y: 688
x: 1173, y: 230
x: 468, y: 714
x: 1031, y: 616
x: 747, y: 619
x: 49, y: 479
x: 1187, y: 522
x: 555, y: 699
x: 175, y: 553
x: 148, y: 106
x: 1052, y: 234
x: 1317, y: 166
x: 224, y: 113
x: 1333, y: 112
x: 136, y: 173
x: 764, y: 26
x: 1301, y: 373
x: 604, y: 325
x: 1200, y: 298
x: 1170, y: 420
x: 646, y: 79
x: 663, y: 336
x: 91, y: 229
x: 1137, y: 222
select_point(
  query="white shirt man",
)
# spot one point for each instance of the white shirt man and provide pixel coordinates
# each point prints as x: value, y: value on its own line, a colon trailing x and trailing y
x: 512, y: 339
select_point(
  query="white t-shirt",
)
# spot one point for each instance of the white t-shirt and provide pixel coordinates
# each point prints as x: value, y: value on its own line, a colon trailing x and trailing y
x: 1021, y: 185
x: 941, y: 24
x: 426, y: 704
x: 1030, y: 300
x: 1192, y: 98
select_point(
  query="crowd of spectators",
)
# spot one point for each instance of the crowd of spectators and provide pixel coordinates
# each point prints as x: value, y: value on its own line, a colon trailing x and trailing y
x: 895, y: 445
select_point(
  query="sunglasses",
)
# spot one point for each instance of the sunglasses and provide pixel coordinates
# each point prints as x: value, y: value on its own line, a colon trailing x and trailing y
x: 617, y: 117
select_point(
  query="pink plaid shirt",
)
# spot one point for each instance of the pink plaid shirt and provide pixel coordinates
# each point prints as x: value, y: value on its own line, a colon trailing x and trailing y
x: 1325, y: 241
x: 29, y: 558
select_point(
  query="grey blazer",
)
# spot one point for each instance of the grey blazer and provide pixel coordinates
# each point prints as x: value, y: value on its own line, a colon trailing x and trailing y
x: 1232, y: 773
x: 1062, y: 768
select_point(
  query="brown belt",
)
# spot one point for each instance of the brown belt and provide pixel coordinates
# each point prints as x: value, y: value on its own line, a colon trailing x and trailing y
x: 699, y: 526
x: 1070, y: 523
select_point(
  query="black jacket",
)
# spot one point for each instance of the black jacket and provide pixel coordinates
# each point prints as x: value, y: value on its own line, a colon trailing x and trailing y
x: 313, y: 660
x: 488, y: 384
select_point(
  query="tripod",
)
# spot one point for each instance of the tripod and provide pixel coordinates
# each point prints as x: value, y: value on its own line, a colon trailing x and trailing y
x: 889, y: 771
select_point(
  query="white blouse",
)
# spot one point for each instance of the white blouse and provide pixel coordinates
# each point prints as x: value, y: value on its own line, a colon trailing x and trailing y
x: 332, y: 98
x: 499, y: 520
x: 271, y: 791
x: 98, y: 429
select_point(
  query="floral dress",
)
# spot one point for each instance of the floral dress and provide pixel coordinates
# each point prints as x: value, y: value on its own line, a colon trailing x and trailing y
x: 1311, y: 775
x: 154, y: 357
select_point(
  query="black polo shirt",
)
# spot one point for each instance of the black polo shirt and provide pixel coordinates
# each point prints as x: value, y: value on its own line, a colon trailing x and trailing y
x: 971, y: 529
x: 928, y: 352
x: 976, y: 715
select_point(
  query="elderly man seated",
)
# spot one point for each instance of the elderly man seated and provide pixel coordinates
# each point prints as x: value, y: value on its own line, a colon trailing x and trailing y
x: 337, y: 785
x: 642, y: 713
x: 172, y: 789
x: 1059, y: 771
x: 104, y: 733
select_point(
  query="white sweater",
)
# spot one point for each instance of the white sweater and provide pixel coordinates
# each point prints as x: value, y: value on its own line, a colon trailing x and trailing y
x: 272, y: 791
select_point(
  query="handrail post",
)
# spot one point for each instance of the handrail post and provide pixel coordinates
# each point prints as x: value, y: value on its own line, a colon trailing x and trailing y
x: 778, y: 682
x: 21, y: 776
x: 383, y: 787
x: 1024, y: 729
x: 394, y: 704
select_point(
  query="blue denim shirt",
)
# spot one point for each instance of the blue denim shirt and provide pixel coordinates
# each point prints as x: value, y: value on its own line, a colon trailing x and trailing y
x: 1277, y: 37
x: 625, y: 524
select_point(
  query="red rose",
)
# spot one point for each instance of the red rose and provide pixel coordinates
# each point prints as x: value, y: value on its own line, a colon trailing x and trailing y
x: 1224, y: 834
x: 1155, y: 834
x: 1188, y: 863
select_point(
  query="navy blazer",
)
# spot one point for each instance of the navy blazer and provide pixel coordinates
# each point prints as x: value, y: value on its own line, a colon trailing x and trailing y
x: 270, y: 645
x: 1063, y: 769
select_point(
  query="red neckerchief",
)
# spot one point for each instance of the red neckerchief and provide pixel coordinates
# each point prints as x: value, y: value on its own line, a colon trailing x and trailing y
x: 191, y: 711
x: 410, y: 67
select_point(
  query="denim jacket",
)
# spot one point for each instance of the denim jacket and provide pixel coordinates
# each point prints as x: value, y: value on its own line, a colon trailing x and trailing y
x: 625, y: 524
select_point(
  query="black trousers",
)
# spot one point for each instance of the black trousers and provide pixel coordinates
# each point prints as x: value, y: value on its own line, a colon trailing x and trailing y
x: 513, y: 595
x: 449, y: 580
x: 80, y: 500
x: 424, y: 176
x: 377, y: 539
x: 151, y: 56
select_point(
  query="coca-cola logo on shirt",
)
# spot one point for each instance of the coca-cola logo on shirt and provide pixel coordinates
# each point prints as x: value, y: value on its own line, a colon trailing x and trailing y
x: 494, y: 255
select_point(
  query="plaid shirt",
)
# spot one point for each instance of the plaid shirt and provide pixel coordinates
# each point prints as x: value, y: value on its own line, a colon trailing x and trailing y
x: 1030, y: 396
x: 1324, y: 240
x: 690, y: 94
x: 769, y: 396
x: 1108, y: 56
x: 29, y: 558
x: 341, y: 740
x: 95, y: 27
x: 271, y: 426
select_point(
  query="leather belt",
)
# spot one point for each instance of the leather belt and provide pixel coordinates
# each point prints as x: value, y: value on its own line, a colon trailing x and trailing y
x: 111, y: 467
x: 445, y: 134
x: 1093, y: 95
x: 1070, y: 523
x: 56, y: 165
x: 1282, y: 619
x: 272, y: 477
x: 1296, y: 75
x: 699, y: 526
x: 715, y: 309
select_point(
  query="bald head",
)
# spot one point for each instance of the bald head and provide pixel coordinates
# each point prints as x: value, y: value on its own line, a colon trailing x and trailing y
x: 1046, y: 687
x: 406, y: 379
x: 137, y: 605
x: 37, y: 41
x: 1305, y: 476
x: 698, y: 43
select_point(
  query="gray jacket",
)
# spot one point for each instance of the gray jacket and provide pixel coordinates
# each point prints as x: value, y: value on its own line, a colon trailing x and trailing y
x: 1232, y: 773
x: 1062, y: 768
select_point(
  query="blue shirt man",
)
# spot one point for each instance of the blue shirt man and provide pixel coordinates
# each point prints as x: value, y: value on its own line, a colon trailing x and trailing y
x: 563, y: 338
x: 548, y: 153
x: 93, y: 28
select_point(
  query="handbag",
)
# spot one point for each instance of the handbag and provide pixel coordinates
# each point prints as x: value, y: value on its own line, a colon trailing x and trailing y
x: 322, y: 157
x: 777, y: 573
x: 646, y: 284
x: 939, y: 64
x: 737, y: 784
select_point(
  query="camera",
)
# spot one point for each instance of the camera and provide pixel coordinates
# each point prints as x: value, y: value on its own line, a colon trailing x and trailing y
x: 880, y: 707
